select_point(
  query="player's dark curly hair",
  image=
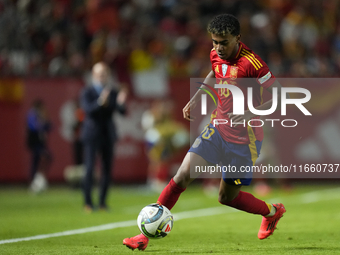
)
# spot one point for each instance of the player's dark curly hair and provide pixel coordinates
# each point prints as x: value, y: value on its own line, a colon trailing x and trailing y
x: 224, y: 24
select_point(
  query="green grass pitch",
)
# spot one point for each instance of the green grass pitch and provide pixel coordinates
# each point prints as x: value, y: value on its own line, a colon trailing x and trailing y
x: 310, y: 226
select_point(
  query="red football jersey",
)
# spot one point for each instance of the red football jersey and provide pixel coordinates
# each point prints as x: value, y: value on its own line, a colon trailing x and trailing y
x: 246, y: 64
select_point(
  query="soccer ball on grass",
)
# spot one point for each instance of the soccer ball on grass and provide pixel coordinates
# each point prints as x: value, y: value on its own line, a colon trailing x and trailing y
x: 155, y: 221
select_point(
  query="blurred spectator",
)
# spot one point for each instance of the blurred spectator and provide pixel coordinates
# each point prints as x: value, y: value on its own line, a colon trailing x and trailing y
x: 164, y: 137
x: 99, y: 101
x: 77, y: 143
x: 74, y: 173
x: 66, y: 37
x: 38, y: 127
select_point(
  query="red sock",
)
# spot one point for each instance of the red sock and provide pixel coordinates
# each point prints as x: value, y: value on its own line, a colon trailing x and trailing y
x: 170, y: 194
x: 248, y: 203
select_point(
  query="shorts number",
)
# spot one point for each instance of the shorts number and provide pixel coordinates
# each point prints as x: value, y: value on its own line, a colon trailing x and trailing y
x: 237, y: 182
x: 208, y: 132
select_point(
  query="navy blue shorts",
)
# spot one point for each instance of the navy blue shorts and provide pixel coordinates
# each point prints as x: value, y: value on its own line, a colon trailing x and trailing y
x: 211, y: 146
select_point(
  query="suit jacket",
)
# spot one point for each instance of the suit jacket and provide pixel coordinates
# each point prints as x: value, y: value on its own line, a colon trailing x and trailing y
x: 98, y: 124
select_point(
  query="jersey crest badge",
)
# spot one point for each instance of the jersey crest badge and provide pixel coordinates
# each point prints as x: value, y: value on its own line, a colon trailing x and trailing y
x: 233, y: 72
x: 224, y: 69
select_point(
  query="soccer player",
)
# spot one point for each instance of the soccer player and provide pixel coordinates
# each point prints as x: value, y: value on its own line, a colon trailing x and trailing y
x: 232, y: 145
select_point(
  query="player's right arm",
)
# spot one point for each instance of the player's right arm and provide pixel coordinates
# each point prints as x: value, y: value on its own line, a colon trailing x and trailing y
x: 197, y: 97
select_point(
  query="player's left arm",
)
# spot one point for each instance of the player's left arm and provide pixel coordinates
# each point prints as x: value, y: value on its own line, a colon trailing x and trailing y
x: 269, y: 103
x: 265, y: 106
x: 267, y: 81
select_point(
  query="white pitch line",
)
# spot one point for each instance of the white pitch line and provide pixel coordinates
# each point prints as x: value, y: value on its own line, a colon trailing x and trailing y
x: 313, y: 197
x: 203, y: 212
x: 123, y: 224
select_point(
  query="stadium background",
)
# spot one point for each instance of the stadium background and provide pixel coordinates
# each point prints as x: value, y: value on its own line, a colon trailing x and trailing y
x: 47, y: 49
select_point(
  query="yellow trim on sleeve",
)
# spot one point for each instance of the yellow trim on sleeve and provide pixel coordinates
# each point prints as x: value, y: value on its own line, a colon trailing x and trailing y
x: 253, y: 56
x: 250, y: 60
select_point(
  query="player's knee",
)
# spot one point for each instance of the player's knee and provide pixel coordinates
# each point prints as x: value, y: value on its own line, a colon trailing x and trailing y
x: 224, y: 198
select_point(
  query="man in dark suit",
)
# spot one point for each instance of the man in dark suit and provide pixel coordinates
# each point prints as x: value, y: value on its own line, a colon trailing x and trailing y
x: 99, y: 101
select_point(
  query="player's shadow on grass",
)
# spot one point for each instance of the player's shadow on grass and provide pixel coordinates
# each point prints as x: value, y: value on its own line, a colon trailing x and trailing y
x: 233, y: 251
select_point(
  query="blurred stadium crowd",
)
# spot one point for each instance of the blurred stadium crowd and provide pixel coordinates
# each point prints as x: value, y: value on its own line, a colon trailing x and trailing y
x: 297, y: 38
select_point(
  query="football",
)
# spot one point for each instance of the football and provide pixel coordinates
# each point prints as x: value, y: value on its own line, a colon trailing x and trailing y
x: 155, y: 221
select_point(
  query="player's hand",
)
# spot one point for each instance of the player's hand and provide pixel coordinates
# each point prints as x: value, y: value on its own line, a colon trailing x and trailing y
x: 104, y: 96
x: 186, y: 111
x: 241, y: 118
x: 122, y: 95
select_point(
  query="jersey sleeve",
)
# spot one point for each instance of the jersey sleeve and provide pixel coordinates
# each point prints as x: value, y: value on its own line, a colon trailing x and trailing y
x: 259, y: 70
